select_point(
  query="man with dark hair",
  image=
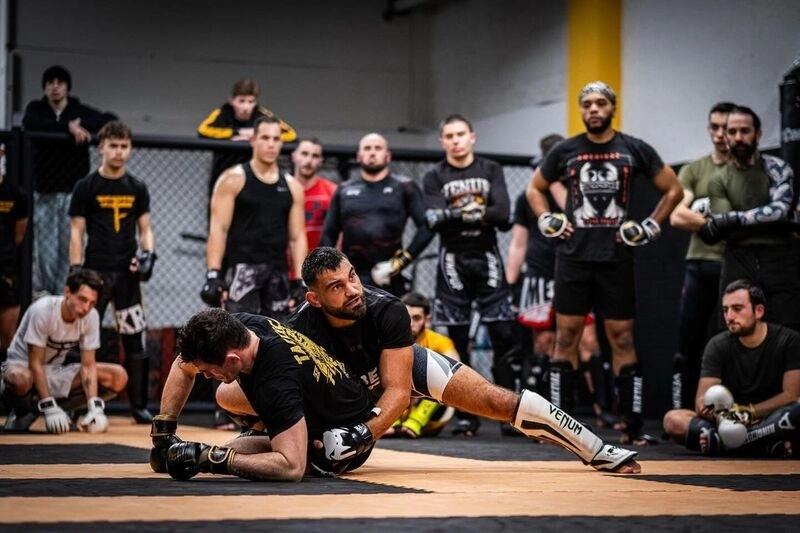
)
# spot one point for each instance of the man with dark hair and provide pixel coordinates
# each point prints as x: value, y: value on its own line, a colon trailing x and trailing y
x: 35, y: 369
x: 751, y: 201
x: 700, y: 294
x: 57, y: 166
x: 467, y: 203
x: 369, y: 330
x: 758, y: 364
x: 307, y: 159
x: 234, y: 121
x: 286, y: 385
x: 370, y: 213
x: 256, y: 214
x: 594, y: 259
x: 109, y: 207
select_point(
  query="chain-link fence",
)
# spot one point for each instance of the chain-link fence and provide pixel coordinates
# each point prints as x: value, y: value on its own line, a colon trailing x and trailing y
x: 178, y: 173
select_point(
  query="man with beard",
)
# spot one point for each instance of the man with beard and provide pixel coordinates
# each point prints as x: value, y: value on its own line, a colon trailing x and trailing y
x: 369, y: 330
x: 700, y: 293
x: 596, y: 236
x: 307, y: 159
x: 759, y: 363
x: 751, y: 206
x: 370, y: 212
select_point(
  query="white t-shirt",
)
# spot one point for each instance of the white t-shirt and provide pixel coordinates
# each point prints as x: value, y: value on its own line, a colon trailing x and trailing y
x: 42, y: 325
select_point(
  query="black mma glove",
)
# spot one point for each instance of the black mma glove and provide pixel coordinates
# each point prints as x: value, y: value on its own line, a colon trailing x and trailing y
x: 187, y: 459
x: 552, y: 225
x: 437, y: 217
x: 718, y: 225
x: 639, y: 233
x: 297, y: 291
x: 162, y: 431
x: 346, y: 442
x: 213, y: 288
x: 145, y: 259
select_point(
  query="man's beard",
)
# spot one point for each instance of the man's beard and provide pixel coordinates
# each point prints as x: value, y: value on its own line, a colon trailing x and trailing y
x: 373, y: 169
x: 742, y: 152
x: 744, y: 331
x: 601, y: 128
x: 349, y: 313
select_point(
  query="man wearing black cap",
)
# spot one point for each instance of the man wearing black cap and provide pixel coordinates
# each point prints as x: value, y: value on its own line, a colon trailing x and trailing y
x: 57, y: 165
x: 595, y: 236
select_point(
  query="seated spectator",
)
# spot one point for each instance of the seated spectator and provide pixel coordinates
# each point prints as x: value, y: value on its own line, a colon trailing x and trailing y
x: 758, y: 362
x: 424, y: 417
x: 35, y: 369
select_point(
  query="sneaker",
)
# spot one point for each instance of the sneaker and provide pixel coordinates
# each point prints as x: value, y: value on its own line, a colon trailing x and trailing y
x: 19, y: 424
x: 142, y: 416
x: 467, y: 427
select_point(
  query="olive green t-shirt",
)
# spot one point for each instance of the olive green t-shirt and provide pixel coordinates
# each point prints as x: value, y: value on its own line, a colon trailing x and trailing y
x: 695, y: 177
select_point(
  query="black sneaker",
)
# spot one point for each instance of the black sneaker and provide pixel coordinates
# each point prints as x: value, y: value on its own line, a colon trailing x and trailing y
x: 19, y: 424
x: 467, y: 427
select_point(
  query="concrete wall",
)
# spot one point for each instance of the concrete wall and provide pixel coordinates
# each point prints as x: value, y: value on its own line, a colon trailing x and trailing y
x: 338, y: 70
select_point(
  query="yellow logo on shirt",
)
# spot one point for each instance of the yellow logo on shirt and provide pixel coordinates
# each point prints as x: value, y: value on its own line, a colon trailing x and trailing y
x: 116, y: 202
x: 304, y: 349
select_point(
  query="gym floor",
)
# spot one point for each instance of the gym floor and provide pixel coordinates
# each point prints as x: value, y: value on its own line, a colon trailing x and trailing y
x: 79, y: 482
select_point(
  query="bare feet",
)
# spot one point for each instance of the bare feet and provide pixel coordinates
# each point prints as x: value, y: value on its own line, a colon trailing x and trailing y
x: 629, y: 467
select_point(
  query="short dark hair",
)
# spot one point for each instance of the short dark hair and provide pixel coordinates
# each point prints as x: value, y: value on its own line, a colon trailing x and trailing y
x: 721, y: 107
x: 263, y: 119
x: 416, y: 299
x: 245, y: 87
x: 312, y: 140
x: 85, y: 276
x: 57, y: 72
x: 114, y: 130
x: 455, y: 117
x: 209, y: 335
x: 319, y: 260
x: 547, y: 142
x: 744, y: 110
x: 755, y: 292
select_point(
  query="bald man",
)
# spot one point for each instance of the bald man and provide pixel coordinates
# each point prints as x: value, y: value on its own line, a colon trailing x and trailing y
x: 370, y: 213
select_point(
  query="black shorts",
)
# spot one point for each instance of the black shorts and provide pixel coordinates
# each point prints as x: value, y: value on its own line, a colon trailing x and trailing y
x: 123, y: 291
x: 258, y: 288
x: 466, y: 277
x: 9, y: 287
x: 605, y: 287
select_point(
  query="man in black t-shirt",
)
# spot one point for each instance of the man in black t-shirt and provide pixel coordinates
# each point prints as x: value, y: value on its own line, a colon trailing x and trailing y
x: 108, y: 208
x: 370, y: 331
x: 281, y: 382
x: 594, y: 258
x: 759, y: 363
x: 467, y: 203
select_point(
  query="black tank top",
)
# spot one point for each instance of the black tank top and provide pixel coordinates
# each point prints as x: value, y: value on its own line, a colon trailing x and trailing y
x: 259, y: 229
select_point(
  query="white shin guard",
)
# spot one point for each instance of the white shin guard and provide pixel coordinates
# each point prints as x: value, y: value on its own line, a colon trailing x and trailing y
x: 538, y: 418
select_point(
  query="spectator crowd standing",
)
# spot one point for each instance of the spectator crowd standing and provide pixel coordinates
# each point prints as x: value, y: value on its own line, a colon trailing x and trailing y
x: 580, y: 197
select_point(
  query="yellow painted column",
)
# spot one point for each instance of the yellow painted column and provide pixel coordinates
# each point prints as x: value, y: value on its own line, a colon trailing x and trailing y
x: 594, y: 52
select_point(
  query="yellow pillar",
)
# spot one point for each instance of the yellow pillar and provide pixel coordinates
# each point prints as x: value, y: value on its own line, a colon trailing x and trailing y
x: 594, y: 52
